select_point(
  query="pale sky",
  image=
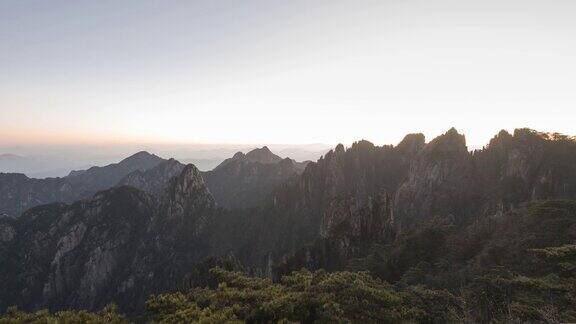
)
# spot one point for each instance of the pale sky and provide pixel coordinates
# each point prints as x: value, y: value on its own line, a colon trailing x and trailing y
x: 291, y: 71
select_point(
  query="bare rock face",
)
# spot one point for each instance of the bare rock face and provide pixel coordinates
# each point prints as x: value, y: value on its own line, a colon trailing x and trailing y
x: 441, y: 179
x: 412, y: 144
x: 187, y: 195
x: 121, y: 245
x: 367, y: 194
x: 358, y: 189
x: 349, y: 194
x: 7, y: 230
x: 526, y: 166
x: 350, y: 227
x: 77, y: 252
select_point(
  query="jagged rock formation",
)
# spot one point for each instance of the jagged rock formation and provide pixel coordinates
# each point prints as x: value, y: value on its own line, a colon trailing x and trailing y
x: 125, y: 243
x: 154, y: 180
x: 441, y: 182
x: 526, y: 166
x: 120, y: 245
x: 369, y: 194
x: 348, y: 197
x: 19, y: 193
x: 245, y: 180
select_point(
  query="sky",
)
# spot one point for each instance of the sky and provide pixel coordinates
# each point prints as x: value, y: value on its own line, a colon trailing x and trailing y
x: 294, y: 72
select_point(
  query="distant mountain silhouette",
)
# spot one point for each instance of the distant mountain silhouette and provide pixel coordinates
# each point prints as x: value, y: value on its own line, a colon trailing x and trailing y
x: 99, y: 178
x: 18, y: 192
x: 247, y: 179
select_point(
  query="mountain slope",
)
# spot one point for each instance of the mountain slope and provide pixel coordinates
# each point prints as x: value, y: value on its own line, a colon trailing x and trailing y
x: 366, y: 195
x: 122, y: 245
x: 100, y: 178
x: 19, y: 193
x: 245, y: 180
x: 414, y: 213
x: 154, y: 180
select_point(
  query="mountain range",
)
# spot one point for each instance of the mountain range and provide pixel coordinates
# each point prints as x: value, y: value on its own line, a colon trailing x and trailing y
x: 19, y: 193
x: 410, y: 214
x: 240, y: 181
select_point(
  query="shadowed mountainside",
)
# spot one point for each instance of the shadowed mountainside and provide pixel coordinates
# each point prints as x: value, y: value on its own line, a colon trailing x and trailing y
x: 245, y: 180
x: 117, y: 245
x: 384, y: 209
x: 19, y: 193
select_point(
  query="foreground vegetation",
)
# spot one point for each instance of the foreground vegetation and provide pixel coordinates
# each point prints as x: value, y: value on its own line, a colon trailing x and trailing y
x: 108, y: 315
x: 304, y: 296
x: 517, y: 268
x: 349, y: 297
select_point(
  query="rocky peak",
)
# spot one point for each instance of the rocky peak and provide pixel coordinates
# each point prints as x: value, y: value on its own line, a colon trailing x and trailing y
x: 449, y: 142
x: 500, y: 141
x: 503, y: 134
x: 170, y: 164
x: 526, y: 133
x: 263, y: 155
x: 260, y: 155
x: 439, y: 178
x: 239, y: 156
x: 530, y: 139
x: 189, y: 182
x: 155, y: 180
x: 187, y: 193
x: 245, y: 180
x: 138, y: 161
x: 100, y: 178
x: 339, y: 150
x: 362, y: 145
x: 141, y: 160
x: 412, y: 143
x: 527, y: 165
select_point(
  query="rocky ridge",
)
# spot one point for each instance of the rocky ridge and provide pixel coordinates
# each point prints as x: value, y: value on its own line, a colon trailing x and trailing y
x: 126, y: 243
x: 114, y: 246
x: 245, y: 180
x: 367, y: 194
x: 19, y: 193
x: 154, y: 180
